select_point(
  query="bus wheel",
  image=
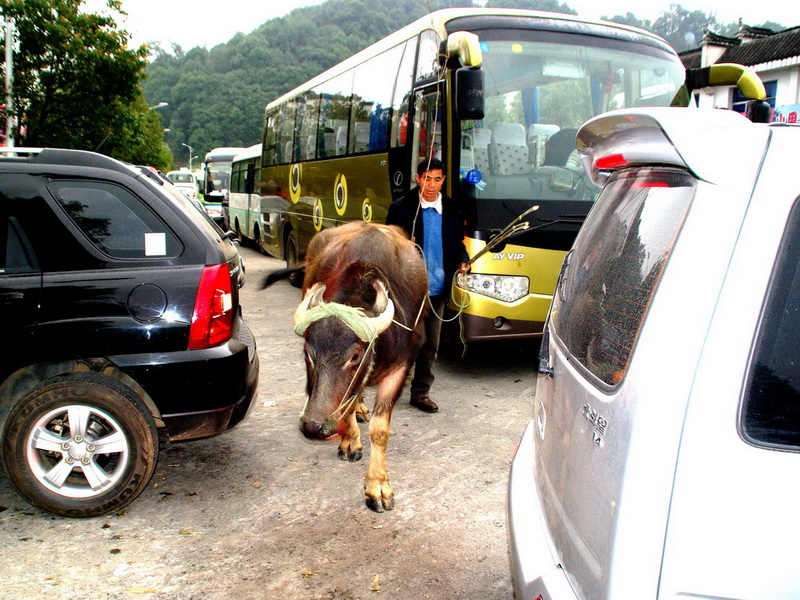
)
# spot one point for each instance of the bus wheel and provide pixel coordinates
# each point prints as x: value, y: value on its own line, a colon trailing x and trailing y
x: 296, y: 279
x: 238, y: 230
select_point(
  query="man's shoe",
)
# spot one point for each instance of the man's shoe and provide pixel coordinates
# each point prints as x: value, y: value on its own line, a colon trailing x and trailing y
x: 425, y: 404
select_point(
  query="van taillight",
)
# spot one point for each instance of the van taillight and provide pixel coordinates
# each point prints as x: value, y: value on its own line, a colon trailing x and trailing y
x: 212, y: 321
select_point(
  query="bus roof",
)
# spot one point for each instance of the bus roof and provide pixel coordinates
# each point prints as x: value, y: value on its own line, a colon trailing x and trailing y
x: 223, y: 153
x: 438, y: 20
x: 253, y: 151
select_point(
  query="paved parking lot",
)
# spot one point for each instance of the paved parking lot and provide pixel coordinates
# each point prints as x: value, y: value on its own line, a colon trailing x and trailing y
x: 261, y: 513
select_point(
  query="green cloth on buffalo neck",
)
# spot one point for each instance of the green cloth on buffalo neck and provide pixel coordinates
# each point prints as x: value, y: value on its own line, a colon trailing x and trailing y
x: 354, y: 318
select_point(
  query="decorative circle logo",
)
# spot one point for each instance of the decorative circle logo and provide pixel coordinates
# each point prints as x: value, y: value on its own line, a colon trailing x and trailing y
x: 317, y: 218
x: 366, y: 210
x: 398, y: 179
x: 340, y: 194
x: 294, y: 183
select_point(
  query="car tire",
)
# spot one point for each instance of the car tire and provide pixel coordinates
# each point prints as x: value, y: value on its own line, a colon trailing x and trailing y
x: 296, y: 278
x: 54, y: 437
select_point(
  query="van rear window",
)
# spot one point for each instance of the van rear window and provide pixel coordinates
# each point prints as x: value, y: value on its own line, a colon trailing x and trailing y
x: 609, y: 277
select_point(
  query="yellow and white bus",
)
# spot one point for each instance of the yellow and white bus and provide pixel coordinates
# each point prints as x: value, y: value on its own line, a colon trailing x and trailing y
x: 497, y: 95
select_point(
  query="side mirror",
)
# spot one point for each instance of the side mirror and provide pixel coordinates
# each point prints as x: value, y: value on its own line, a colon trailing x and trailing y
x: 469, y: 93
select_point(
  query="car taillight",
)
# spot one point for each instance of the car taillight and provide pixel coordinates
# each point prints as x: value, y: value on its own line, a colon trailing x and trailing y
x: 212, y: 321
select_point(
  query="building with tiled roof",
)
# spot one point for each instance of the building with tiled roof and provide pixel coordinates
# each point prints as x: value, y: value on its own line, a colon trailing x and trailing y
x: 774, y: 56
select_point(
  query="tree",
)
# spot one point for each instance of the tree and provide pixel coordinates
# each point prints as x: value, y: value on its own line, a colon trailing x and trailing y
x: 78, y: 85
x: 681, y: 28
x: 545, y: 5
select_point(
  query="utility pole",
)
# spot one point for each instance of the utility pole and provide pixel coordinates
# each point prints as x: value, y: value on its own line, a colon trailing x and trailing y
x: 9, y: 22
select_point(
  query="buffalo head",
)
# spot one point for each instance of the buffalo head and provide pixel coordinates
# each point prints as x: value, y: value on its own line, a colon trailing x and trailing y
x: 339, y: 351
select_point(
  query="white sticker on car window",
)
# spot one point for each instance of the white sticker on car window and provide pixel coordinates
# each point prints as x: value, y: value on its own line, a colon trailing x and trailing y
x: 155, y: 244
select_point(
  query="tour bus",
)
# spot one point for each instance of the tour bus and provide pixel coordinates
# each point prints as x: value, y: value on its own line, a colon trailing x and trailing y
x: 217, y: 181
x: 497, y: 95
x: 243, y: 205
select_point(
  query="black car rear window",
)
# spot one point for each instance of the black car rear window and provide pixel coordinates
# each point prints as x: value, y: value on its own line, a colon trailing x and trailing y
x: 610, y: 275
x: 771, y: 411
x: 117, y: 222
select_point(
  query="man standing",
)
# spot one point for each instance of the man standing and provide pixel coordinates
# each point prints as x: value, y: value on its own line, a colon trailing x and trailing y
x: 434, y: 222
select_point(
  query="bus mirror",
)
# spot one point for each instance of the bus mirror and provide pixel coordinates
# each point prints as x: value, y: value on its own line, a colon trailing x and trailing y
x: 758, y: 111
x: 466, y: 47
x: 469, y: 93
x: 747, y: 80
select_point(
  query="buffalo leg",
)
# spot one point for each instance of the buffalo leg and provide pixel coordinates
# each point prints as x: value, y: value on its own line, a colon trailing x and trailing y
x: 379, y: 495
x: 350, y: 446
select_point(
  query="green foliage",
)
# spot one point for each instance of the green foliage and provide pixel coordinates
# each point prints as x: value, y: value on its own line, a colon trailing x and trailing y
x: 217, y: 97
x: 683, y: 29
x: 78, y: 85
x: 545, y: 5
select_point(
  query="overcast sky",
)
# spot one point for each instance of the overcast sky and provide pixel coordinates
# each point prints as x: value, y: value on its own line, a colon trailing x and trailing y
x: 190, y: 23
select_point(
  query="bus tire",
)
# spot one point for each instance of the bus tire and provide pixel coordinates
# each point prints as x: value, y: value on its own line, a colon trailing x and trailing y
x: 242, y: 240
x: 292, y: 258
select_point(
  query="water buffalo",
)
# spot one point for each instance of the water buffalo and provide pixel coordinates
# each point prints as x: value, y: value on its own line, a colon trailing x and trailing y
x: 361, y: 316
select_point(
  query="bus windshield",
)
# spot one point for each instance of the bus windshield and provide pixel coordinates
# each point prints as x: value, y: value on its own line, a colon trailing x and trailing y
x: 219, y: 174
x: 539, y: 88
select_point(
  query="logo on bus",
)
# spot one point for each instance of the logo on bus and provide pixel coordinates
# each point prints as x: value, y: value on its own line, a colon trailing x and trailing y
x: 366, y: 210
x: 398, y: 178
x: 294, y: 183
x: 340, y: 194
x: 508, y: 256
x: 317, y: 217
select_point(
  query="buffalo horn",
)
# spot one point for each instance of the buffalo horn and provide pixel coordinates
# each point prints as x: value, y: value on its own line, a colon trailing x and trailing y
x: 384, y: 307
x: 310, y: 300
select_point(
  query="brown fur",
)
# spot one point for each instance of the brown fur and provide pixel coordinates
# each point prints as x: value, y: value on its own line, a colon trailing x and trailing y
x: 347, y: 260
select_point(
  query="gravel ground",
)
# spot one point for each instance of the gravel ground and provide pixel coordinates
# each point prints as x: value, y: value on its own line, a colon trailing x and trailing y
x: 261, y: 513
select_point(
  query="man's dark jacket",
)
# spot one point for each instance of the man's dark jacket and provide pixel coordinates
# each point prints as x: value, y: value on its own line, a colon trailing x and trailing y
x: 402, y: 212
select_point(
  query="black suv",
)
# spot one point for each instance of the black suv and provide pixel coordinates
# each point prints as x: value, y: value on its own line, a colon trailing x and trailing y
x: 123, y: 329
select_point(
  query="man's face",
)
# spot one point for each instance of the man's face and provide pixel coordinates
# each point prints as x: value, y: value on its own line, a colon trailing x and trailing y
x: 430, y: 184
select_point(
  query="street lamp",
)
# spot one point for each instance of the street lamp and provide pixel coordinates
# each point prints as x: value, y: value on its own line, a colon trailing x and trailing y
x: 190, y: 154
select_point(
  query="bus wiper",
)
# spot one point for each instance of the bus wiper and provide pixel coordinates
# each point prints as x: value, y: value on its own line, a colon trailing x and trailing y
x: 569, y: 219
x: 512, y: 228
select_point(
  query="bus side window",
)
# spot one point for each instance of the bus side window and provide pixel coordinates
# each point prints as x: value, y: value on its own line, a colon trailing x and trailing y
x: 285, y: 141
x: 307, y: 120
x: 270, y: 135
x: 373, y: 86
x: 334, y: 115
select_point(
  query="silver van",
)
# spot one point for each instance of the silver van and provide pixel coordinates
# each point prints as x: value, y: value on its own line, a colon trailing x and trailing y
x: 663, y: 455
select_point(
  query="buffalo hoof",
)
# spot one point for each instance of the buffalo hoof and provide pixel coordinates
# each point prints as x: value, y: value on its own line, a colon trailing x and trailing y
x: 380, y: 504
x: 353, y: 456
x: 362, y: 412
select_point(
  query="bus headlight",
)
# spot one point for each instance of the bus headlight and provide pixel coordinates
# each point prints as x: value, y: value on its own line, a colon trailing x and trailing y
x: 501, y: 287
